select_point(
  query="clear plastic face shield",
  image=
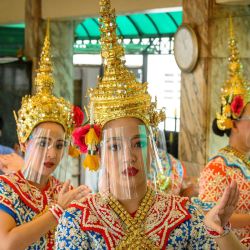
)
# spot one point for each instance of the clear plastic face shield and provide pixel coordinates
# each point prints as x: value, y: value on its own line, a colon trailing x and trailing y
x: 46, y: 153
x: 126, y: 157
x: 164, y: 177
x: 161, y: 144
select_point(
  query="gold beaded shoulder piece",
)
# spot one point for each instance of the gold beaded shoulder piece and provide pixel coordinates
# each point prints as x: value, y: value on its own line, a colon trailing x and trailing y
x: 238, y: 154
x: 135, y: 236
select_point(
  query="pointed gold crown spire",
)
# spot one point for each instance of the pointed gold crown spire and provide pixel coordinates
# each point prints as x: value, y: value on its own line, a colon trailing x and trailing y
x: 44, y: 81
x: 118, y: 94
x: 235, y: 93
x: 112, y: 52
x: 43, y: 106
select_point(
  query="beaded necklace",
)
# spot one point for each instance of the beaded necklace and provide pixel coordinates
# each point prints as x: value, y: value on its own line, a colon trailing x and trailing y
x: 135, y: 237
x: 238, y: 154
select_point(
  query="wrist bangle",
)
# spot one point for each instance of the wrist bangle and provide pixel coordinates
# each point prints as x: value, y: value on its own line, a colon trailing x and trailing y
x: 57, y: 211
x: 213, y: 234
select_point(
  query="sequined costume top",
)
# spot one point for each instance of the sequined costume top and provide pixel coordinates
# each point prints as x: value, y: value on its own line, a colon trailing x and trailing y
x: 24, y: 202
x: 171, y: 222
x: 218, y: 173
x: 173, y: 168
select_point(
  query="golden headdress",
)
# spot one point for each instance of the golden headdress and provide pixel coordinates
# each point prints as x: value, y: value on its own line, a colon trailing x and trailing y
x: 236, y: 91
x: 118, y: 94
x: 43, y: 106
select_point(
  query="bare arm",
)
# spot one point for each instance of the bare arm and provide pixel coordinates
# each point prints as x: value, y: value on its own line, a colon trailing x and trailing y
x: 219, y: 215
x: 10, y: 163
x: 230, y: 242
x: 14, y: 237
x: 240, y: 220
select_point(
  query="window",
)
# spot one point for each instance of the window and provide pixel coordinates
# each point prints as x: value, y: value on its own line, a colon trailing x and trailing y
x: 94, y: 59
x: 164, y: 84
x: 163, y: 76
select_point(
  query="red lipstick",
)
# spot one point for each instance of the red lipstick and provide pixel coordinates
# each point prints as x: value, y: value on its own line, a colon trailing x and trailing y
x: 49, y: 164
x: 130, y: 171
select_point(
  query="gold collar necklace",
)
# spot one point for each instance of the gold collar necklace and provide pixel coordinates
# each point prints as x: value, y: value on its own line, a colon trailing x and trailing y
x: 238, y: 154
x: 135, y: 237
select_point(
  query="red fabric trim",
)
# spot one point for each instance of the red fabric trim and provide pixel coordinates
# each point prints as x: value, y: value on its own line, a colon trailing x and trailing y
x: 52, y: 184
x: 51, y: 241
x: 57, y: 211
x: 246, y: 242
x: 85, y: 208
x: 100, y: 231
x: 217, y: 167
x: 7, y: 203
x: 23, y: 196
x: 19, y: 172
x: 188, y: 217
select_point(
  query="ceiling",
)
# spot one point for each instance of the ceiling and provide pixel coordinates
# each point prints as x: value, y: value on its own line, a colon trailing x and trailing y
x: 13, y: 11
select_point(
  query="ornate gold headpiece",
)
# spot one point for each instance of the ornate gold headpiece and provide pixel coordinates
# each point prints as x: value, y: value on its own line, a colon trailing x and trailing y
x: 236, y: 92
x: 118, y: 94
x: 43, y: 106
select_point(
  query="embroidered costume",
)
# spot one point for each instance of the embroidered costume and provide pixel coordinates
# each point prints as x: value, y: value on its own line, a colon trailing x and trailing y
x: 25, y: 202
x: 171, y: 222
x: 20, y: 199
x: 229, y: 164
x: 128, y: 160
x: 219, y: 172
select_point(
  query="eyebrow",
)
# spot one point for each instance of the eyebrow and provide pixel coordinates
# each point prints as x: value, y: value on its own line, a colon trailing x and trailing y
x: 113, y: 138
x: 48, y: 138
x: 43, y: 137
x: 139, y: 136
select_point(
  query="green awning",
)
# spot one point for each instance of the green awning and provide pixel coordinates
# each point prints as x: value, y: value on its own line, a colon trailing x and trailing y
x: 11, y: 40
x: 135, y: 28
x: 132, y: 27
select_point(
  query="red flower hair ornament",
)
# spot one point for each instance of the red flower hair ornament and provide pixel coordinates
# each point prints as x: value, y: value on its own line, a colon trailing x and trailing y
x: 237, y: 106
x: 79, y: 136
x: 87, y: 139
x: 78, y: 116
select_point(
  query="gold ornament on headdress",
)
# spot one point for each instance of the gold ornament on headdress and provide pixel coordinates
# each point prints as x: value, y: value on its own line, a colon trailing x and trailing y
x: 236, y: 91
x: 43, y: 106
x: 118, y: 94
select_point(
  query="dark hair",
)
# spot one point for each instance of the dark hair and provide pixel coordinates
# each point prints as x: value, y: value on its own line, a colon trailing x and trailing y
x: 219, y: 132
x: 1, y: 123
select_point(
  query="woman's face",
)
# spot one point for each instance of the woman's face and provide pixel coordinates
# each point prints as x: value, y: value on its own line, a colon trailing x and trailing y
x: 242, y: 128
x: 125, y: 154
x: 45, y: 148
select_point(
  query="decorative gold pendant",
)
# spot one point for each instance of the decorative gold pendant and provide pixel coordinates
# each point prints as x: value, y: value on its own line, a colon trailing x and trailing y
x: 135, y: 237
x: 238, y: 154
